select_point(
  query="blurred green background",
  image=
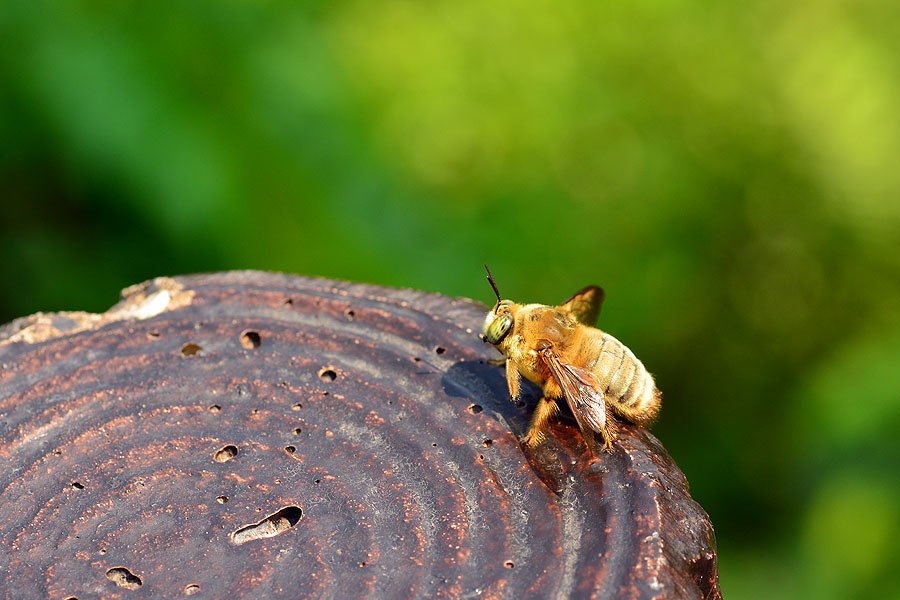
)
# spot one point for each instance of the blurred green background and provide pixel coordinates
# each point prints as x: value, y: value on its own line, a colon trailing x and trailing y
x: 727, y: 171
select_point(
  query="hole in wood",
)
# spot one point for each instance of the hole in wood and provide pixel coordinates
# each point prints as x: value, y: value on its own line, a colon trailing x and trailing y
x: 190, y: 349
x: 250, y: 339
x: 290, y: 449
x: 297, y: 406
x: 487, y: 443
x: 215, y: 408
x: 327, y: 374
x: 77, y: 485
x: 298, y: 431
x: 440, y: 350
x: 225, y: 453
x: 509, y: 564
x: 190, y: 590
x: 274, y: 524
x: 475, y: 409
x: 122, y: 577
x: 350, y: 314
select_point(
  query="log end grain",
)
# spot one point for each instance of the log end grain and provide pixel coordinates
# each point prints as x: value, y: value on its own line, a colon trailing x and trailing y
x: 252, y: 434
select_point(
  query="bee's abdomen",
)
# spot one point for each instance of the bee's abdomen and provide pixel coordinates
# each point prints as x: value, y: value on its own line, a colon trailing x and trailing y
x: 627, y: 381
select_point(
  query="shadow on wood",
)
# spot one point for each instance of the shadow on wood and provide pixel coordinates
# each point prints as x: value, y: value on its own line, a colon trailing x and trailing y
x: 260, y: 435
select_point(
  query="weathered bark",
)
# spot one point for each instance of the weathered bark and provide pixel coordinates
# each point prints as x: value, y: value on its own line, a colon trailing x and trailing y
x: 260, y: 435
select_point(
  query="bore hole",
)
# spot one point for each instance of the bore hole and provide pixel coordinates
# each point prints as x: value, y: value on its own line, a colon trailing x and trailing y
x: 509, y: 564
x: 475, y: 409
x: 298, y: 431
x: 290, y: 449
x: 215, y: 408
x: 297, y: 406
x: 434, y: 445
x: 77, y: 485
x: 222, y: 499
x: 416, y: 359
x: 487, y: 443
x: 327, y: 374
x: 122, y: 577
x: 276, y: 523
x: 362, y: 563
x: 440, y: 350
x: 350, y: 313
x: 72, y: 598
x: 289, y: 302
x: 190, y: 349
x: 152, y: 334
x: 250, y: 339
x: 102, y: 551
x: 225, y: 453
x: 190, y: 590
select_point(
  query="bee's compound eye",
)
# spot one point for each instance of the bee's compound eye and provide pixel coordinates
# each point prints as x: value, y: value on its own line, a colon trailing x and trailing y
x: 498, y: 329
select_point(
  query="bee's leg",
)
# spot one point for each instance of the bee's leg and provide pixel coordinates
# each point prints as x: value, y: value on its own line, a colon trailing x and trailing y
x: 588, y: 434
x: 513, y: 380
x: 609, y: 432
x: 542, y: 413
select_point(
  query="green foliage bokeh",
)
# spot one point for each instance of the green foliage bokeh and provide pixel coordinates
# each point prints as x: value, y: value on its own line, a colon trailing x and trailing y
x: 725, y: 170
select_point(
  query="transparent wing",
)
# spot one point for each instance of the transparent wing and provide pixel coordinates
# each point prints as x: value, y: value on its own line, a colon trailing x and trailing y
x: 585, y: 304
x: 583, y: 392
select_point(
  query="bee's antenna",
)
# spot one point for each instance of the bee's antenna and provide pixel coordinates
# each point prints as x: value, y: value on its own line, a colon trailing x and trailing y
x: 490, y: 278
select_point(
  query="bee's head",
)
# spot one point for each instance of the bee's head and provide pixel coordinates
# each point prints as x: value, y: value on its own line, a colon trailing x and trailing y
x: 499, y: 322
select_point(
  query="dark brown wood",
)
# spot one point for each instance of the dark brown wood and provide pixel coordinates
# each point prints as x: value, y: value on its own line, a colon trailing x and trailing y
x: 260, y: 435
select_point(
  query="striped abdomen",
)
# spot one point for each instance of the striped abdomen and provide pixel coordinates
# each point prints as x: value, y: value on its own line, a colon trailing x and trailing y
x: 630, y: 389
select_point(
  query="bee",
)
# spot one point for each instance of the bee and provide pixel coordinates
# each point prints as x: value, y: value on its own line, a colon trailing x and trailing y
x: 559, y: 349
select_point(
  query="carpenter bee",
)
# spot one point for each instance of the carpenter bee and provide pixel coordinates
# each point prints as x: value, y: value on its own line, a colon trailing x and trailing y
x: 559, y: 349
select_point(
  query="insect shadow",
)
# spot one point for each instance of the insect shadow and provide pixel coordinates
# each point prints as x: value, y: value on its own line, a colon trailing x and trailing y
x: 479, y: 383
x: 484, y: 384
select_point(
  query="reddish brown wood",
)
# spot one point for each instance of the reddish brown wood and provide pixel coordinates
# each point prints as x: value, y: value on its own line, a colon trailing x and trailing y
x: 261, y: 435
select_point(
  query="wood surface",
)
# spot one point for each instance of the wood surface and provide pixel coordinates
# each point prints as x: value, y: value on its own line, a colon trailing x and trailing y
x: 258, y: 435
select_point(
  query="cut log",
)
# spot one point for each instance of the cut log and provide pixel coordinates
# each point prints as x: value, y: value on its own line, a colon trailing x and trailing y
x: 256, y: 435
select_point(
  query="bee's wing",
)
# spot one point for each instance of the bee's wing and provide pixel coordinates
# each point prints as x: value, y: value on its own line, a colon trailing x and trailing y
x: 583, y: 392
x: 585, y: 304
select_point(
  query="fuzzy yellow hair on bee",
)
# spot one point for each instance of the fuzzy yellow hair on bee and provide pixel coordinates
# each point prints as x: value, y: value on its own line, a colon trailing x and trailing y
x: 559, y: 349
